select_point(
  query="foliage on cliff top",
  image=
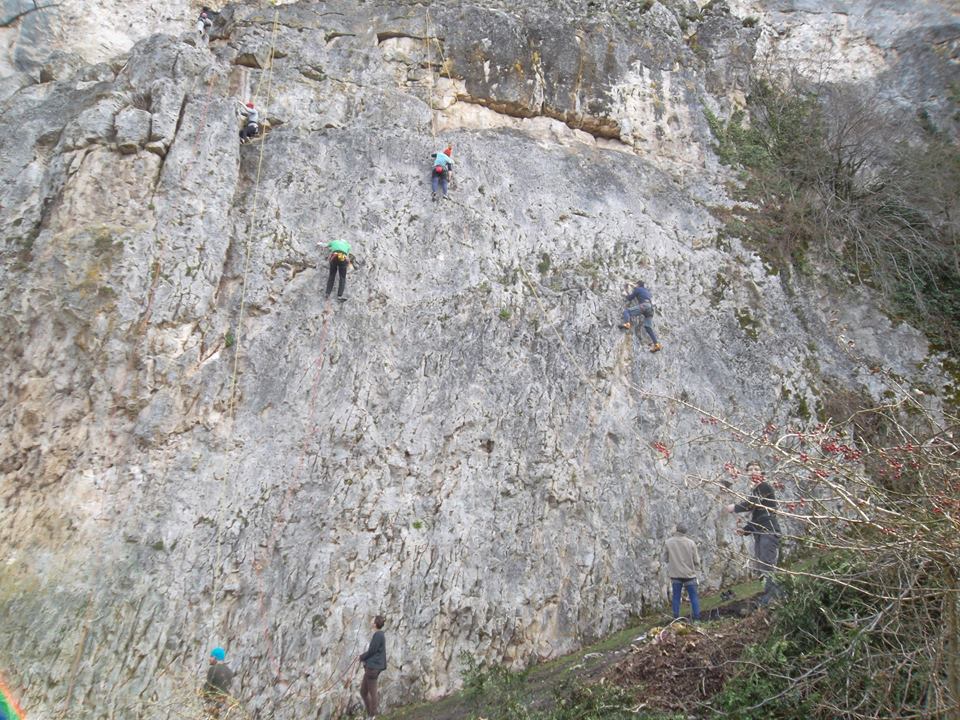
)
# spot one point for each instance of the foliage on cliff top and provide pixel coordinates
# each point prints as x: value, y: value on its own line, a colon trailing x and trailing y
x: 834, y: 172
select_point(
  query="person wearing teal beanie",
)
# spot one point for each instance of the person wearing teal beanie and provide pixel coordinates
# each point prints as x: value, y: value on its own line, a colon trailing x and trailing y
x: 216, y: 690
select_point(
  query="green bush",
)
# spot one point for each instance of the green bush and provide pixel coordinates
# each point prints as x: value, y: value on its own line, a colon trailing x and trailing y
x: 820, y: 656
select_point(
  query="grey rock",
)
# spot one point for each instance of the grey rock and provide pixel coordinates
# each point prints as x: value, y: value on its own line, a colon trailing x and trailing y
x: 132, y: 127
x: 197, y: 450
x: 166, y: 102
x: 60, y: 66
x: 93, y: 124
x: 258, y: 57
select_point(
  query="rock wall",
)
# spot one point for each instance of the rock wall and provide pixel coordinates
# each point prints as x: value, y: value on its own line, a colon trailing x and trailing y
x: 198, y: 450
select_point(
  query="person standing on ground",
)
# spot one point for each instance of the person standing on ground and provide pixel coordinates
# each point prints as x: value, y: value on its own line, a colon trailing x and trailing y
x: 683, y: 565
x: 340, y: 260
x: 644, y: 307
x: 216, y: 689
x: 442, y: 167
x: 763, y: 526
x: 374, y: 662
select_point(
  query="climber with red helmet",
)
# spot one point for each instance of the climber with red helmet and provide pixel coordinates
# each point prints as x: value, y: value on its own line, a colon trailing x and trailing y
x: 204, y: 23
x: 442, y: 168
x: 251, y: 127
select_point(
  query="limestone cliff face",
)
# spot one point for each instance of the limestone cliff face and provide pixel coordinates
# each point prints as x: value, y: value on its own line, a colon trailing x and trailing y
x: 197, y: 450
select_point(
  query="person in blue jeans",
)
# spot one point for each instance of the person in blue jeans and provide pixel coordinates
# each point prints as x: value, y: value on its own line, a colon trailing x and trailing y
x: 683, y: 564
x: 644, y: 307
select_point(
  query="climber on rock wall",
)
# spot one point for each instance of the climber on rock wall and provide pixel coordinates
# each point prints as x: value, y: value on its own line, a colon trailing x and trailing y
x: 204, y: 23
x: 644, y: 307
x: 442, y: 168
x: 251, y: 126
x: 216, y: 689
x: 340, y: 259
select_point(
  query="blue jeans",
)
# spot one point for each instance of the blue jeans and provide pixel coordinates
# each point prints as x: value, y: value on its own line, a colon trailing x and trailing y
x: 691, y: 585
x: 632, y: 312
x: 440, y: 180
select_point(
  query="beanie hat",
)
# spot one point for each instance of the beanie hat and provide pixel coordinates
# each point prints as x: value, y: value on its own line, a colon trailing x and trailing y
x: 218, y: 654
x: 249, y: 104
x: 448, y: 151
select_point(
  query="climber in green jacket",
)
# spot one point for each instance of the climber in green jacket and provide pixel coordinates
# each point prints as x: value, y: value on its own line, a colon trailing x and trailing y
x: 340, y: 260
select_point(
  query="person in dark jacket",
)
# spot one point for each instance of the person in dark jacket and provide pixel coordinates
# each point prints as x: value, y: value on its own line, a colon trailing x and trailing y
x: 763, y: 526
x: 644, y: 307
x: 216, y: 690
x: 374, y: 662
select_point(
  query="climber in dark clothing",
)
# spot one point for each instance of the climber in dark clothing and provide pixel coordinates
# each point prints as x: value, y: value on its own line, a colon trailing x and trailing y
x: 216, y: 690
x: 763, y: 526
x: 374, y: 662
x: 644, y: 307
x: 340, y: 260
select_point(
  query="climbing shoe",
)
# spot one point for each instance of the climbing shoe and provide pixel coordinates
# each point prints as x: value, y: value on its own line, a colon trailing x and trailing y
x: 656, y: 347
x: 342, y: 298
x: 626, y: 326
x: 434, y: 197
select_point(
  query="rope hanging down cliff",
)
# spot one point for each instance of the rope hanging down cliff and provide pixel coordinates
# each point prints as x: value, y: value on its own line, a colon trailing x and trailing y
x: 238, y: 334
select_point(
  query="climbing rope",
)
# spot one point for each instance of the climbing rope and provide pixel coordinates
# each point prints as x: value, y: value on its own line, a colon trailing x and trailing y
x: 427, y: 38
x: 238, y: 335
x: 279, y: 521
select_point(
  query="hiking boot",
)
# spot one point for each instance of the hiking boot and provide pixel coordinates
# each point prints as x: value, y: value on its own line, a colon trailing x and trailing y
x: 656, y: 347
x: 626, y: 326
